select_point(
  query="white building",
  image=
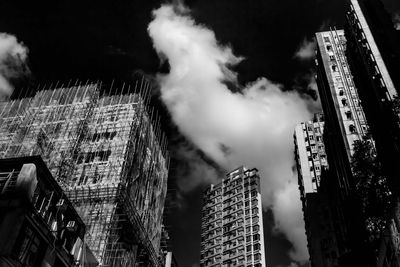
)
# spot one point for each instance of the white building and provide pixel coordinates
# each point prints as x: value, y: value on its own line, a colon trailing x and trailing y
x: 232, y: 223
x: 310, y: 154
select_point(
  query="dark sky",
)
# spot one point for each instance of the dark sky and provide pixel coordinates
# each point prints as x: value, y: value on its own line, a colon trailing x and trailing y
x: 99, y: 39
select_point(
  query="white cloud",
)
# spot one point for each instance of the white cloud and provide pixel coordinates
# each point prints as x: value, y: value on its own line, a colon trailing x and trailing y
x: 252, y: 128
x: 306, y: 51
x: 196, y: 171
x: 12, y: 62
x: 396, y: 21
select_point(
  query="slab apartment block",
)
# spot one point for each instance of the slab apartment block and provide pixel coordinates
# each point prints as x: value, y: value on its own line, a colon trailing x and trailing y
x: 345, y: 123
x: 312, y: 165
x: 374, y: 56
x: 232, y: 223
x: 108, y: 154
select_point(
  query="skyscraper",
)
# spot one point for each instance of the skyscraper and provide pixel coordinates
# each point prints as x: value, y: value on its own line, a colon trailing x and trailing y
x: 374, y: 56
x: 312, y: 164
x: 232, y: 224
x: 345, y: 123
x: 310, y: 154
x: 109, y: 157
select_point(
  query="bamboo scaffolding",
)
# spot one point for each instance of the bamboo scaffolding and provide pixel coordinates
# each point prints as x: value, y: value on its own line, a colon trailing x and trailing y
x: 108, y: 153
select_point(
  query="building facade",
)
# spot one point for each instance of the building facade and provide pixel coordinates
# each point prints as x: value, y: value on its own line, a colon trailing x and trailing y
x: 232, y: 222
x: 310, y: 154
x: 374, y: 56
x: 312, y: 164
x: 345, y: 123
x: 38, y: 224
x: 108, y: 155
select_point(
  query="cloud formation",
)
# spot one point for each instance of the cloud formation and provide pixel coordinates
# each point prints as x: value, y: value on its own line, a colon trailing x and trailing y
x: 13, y: 57
x: 396, y: 21
x: 252, y: 128
x: 193, y: 171
x: 306, y: 51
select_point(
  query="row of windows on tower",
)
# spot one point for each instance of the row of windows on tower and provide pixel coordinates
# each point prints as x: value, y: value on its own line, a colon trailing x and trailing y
x: 231, y: 245
x: 214, y: 205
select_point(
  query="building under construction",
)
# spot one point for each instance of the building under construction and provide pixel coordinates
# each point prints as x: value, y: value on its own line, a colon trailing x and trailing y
x: 109, y: 155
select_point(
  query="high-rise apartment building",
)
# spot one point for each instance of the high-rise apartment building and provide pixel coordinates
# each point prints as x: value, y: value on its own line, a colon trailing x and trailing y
x: 232, y: 223
x: 374, y: 56
x: 339, y: 96
x: 345, y: 123
x: 311, y: 164
x: 108, y: 156
x: 310, y: 154
x: 344, y: 117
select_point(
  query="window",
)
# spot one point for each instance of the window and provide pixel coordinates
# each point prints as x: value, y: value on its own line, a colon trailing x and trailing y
x: 348, y: 114
x: 257, y: 247
x: 352, y: 128
x: 254, y: 210
x: 344, y: 101
x: 326, y: 39
x: 255, y: 219
x: 256, y: 237
x: 27, y: 247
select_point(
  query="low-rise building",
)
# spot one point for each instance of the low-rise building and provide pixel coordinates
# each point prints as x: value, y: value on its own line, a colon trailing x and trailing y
x: 38, y: 224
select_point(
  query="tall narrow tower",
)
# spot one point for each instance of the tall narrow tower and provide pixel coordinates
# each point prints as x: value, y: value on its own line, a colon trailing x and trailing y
x: 345, y: 123
x: 312, y: 167
x: 374, y: 55
x: 232, y: 224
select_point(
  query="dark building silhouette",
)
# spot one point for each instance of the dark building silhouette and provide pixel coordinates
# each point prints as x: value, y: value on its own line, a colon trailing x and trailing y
x: 345, y: 123
x: 374, y: 56
x: 358, y: 82
x: 312, y: 164
x: 38, y: 224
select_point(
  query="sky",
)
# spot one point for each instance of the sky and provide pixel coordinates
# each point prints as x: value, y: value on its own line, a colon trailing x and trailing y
x: 233, y: 76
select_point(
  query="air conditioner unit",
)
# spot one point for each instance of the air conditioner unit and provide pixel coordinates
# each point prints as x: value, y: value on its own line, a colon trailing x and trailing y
x: 72, y: 226
x: 60, y: 203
